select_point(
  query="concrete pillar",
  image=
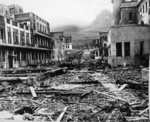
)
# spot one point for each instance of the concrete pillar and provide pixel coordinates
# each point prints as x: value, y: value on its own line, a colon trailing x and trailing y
x: 25, y: 36
x: 12, y: 38
x: 6, y: 34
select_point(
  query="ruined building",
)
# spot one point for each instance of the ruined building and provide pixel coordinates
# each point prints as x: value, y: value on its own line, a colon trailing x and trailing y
x: 62, y: 43
x: 24, y: 38
x: 129, y: 38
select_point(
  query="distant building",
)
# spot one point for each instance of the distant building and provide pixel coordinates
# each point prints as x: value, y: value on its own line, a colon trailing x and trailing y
x: 129, y: 38
x: 10, y: 10
x: 67, y: 42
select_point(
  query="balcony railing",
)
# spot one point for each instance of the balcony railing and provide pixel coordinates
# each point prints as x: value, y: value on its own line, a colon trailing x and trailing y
x: 16, y: 42
x: 37, y: 31
x: 28, y: 44
x: 22, y: 43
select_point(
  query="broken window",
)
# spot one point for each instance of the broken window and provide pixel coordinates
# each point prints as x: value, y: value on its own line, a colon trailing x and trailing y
x: 130, y: 16
x: 127, y: 48
x: 141, y: 48
x: 2, y: 56
x: 96, y: 54
x: 9, y: 35
x: 22, y: 41
x: 12, y: 10
x: 15, y: 36
x: 8, y: 21
x: 2, y: 34
x: 27, y: 39
x: 23, y: 56
x: 119, y: 49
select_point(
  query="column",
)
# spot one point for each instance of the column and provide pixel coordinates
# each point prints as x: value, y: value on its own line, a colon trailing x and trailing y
x: 6, y: 34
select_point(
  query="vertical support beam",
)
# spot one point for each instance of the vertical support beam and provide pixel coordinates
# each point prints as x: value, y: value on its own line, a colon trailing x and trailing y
x: 149, y: 80
x: 12, y: 38
x: 25, y: 35
x: 6, y: 34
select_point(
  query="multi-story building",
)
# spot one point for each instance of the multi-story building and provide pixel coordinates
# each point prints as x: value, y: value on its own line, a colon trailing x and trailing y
x: 24, y: 39
x: 67, y: 43
x: 10, y: 10
x: 129, y: 39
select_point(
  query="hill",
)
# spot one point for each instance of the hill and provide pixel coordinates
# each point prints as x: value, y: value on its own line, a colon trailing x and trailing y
x: 83, y: 35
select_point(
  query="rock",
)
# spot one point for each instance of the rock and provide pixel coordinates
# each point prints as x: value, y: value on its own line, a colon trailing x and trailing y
x: 18, y: 117
x: 5, y: 115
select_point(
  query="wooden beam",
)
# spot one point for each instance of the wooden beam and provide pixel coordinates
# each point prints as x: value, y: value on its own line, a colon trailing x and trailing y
x: 110, y: 96
x: 61, y: 115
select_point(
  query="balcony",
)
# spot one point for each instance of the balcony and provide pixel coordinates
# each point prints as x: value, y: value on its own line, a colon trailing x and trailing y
x: 16, y: 43
x: 22, y: 43
x: 36, y: 32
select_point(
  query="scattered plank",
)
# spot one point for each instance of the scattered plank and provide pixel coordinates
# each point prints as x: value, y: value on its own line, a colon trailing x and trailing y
x: 142, y: 112
x: 137, y: 119
x: 122, y: 87
x: 56, y: 92
x: 62, y: 114
x: 33, y: 92
x: 110, y: 96
x: 13, y: 78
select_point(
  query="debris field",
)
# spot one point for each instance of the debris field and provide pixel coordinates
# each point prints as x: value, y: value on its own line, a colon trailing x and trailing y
x: 61, y: 95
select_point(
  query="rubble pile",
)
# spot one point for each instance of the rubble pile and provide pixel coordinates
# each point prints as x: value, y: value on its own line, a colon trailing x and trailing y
x: 76, y: 96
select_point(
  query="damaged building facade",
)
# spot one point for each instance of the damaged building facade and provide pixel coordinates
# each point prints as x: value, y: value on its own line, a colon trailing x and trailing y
x: 24, y: 38
x: 129, y: 38
x: 62, y: 44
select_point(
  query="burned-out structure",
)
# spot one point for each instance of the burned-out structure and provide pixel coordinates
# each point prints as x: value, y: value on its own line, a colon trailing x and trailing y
x: 129, y: 38
x: 67, y: 43
x: 24, y: 38
x: 58, y: 51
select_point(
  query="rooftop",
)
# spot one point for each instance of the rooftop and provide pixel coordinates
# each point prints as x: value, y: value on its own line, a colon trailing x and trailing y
x: 129, y: 4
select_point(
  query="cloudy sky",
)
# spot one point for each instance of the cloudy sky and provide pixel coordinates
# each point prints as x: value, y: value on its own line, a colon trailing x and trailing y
x: 63, y: 12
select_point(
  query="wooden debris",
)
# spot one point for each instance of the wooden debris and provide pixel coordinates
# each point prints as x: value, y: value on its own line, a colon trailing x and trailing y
x: 142, y: 112
x: 33, y: 92
x: 122, y: 87
x: 61, y: 115
x: 110, y: 96
x: 137, y: 119
x: 57, y: 92
x: 13, y: 78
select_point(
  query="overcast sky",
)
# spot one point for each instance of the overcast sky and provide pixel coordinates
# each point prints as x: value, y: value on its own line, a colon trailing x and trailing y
x: 63, y: 12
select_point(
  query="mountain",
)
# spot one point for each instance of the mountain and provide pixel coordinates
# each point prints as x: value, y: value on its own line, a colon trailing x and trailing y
x: 82, y: 35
